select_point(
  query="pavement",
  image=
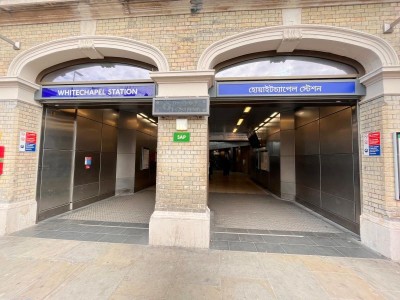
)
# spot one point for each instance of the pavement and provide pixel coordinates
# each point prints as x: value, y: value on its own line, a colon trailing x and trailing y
x: 41, y: 268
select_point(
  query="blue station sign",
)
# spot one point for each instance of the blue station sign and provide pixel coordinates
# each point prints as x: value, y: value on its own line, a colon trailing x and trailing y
x: 290, y: 88
x: 113, y: 91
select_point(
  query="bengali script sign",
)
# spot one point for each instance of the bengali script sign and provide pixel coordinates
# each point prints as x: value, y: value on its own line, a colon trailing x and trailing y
x: 299, y: 88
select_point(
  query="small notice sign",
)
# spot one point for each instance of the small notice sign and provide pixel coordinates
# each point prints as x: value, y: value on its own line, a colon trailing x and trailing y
x: 181, y: 137
x: 27, y: 141
x: 372, y: 144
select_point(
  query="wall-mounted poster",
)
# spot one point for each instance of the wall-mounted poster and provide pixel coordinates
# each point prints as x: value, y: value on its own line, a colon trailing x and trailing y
x: 145, y: 159
x: 264, y: 161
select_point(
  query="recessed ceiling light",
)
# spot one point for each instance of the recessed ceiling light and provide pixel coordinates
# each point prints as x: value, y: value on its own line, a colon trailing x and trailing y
x: 247, y: 109
x: 234, y: 130
x: 142, y: 115
x: 239, y: 122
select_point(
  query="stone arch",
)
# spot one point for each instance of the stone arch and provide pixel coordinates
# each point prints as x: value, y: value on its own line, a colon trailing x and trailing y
x: 30, y: 63
x: 370, y: 51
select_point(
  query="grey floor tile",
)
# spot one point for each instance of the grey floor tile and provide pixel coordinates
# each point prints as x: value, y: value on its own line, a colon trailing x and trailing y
x: 219, y: 245
x: 135, y: 239
x: 110, y: 223
x: 113, y: 238
x: 134, y: 225
x: 250, y: 238
x: 69, y: 235
x: 219, y: 229
x: 348, y: 243
x: 293, y: 240
x: 274, y: 239
x: 270, y: 248
x: 91, y: 222
x: 225, y: 237
x: 242, y: 246
x: 136, y: 231
x: 72, y: 227
x: 259, y: 231
x: 236, y: 230
x: 51, y: 234
x: 112, y: 230
x: 325, y: 234
x: 357, y: 252
x: 281, y: 232
x: 326, y: 251
x: 299, y: 249
x: 324, y: 241
x: 92, y: 237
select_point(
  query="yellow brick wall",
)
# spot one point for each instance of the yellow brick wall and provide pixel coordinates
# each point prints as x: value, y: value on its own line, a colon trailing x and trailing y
x: 182, y: 38
x: 20, y: 168
x: 182, y: 168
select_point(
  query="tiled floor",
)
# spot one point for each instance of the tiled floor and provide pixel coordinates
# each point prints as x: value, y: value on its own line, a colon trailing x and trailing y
x: 88, y: 230
x: 245, y: 218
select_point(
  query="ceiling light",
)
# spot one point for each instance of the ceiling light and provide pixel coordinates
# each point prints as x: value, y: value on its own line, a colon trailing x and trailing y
x: 239, y: 122
x: 273, y: 114
x: 234, y: 130
x: 267, y: 120
x: 261, y: 124
x: 247, y: 109
x: 151, y: 120
x: 143, y: 115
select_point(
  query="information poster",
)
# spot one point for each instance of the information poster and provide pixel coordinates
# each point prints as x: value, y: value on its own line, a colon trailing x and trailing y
x: 264, y: 161
x: 27, y: 141
x: 145, y: 159
x: 372, y: 144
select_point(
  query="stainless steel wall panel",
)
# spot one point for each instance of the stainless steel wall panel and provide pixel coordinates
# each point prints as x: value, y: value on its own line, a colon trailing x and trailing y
x: 88, y: 136
x: 145, y: 178
x: 337, y: 175
x: 338, y: 206
x: 308, y: 171
x: 92, y: 114
x: 55, y: 189
x: 59, y: 129
x: 275, y: 175
x: 126, y: 141
x: 306, y: 115
x: 328, y: 110
x: 108, y: 166
x: 309, y: 195
x: 85, y: 191
x: 107, y: 187
x: 110, y: 117
x: 83, y: 175
x: 287, y: 143
x: 336, y: 133
x: 109, y: 138
x: 354, y: 126
x: 307, y: 139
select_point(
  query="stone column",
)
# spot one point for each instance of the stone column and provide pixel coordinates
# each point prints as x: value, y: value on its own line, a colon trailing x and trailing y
x: 18, y: 112
x: 379, y: 111
x: 181, y: 217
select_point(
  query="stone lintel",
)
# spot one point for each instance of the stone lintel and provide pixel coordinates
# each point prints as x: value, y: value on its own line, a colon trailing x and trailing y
x: 183, y: 83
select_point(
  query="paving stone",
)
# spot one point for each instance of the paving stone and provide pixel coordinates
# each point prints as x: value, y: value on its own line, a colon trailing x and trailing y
x: 242, y: 246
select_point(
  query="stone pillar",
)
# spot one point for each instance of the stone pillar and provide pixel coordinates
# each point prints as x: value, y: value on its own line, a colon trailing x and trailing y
x: 288, y: 169
x: 18, y: 112
x: 380, y: 112
x: 181, y: 217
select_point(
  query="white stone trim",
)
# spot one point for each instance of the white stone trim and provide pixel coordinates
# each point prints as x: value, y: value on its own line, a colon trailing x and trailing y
x: 31, y: 62
x: 371, y: 51
x: 15, y: 216
x: 18, y: 89
x: 180, y: 229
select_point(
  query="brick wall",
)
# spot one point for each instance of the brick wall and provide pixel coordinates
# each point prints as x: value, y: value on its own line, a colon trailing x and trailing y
x: 18, y: 182
x: 182, y: 181
x: 378, y: 172
x: 182, y: 38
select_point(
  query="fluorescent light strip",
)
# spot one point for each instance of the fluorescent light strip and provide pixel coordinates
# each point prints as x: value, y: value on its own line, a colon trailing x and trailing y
x: 239, y: 122
x: 234, y: 130
x: 247, y: 109
x: 273, y: 114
